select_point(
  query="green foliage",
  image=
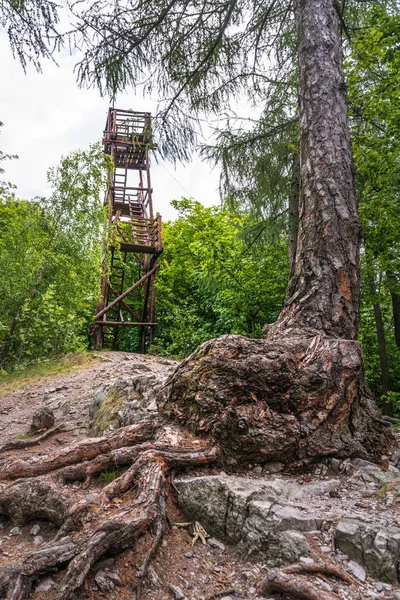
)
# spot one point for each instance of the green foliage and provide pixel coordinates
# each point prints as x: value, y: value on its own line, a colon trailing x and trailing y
x: 50, y: 252
x: 211, y: 283
x: 110, y: 474
x: 374, y: 90
x: 373, y: 74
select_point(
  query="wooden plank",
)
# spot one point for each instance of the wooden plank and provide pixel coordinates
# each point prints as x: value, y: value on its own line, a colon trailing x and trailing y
x: 128, y: 291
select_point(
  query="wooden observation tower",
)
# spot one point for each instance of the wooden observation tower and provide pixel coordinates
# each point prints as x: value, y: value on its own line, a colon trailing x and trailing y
x: 128, y: 290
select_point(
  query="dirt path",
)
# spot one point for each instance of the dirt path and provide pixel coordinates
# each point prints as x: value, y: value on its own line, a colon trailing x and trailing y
x: 70, y: 395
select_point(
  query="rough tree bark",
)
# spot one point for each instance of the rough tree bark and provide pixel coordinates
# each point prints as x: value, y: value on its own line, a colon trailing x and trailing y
x: 323, y: 292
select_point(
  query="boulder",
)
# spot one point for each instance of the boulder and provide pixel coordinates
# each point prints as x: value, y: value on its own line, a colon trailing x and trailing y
x: 370, y: 544
x: 42, y: 418
x: 368, y: 472
x: 255, y: 514
x: 127, y: 401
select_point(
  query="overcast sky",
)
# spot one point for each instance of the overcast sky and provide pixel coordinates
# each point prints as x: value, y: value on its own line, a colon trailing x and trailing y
x: 46, y: 116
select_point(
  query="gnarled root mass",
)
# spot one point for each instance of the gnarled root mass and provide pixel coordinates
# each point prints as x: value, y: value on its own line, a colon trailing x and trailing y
x: 94, y: 524
x: 296, y: 397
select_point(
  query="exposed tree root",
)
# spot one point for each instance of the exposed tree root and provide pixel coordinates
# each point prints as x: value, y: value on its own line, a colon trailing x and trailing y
x: 81, y: 451
x: 99, y: 523
x: 297, y: 587
x: 159, y: 528
x: 322, y: 568
x: 16, y: 444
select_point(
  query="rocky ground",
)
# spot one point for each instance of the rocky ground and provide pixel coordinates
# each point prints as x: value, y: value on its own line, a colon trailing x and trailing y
x: 345, y: 513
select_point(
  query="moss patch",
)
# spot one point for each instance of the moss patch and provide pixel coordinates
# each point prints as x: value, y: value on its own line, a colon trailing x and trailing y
x: 108, y: 412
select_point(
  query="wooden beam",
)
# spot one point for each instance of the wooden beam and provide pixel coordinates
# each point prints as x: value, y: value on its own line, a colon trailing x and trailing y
x: 128, y: 291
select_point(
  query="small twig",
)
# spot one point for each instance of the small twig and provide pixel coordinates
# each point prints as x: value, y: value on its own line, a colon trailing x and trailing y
x: 15, y: 444
x: 220, y: 593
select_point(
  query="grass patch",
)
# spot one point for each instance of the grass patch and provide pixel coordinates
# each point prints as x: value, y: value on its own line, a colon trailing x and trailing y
x: 384, y: 488
x: 109, y: 475
x: 25, y: 436
x: 46, y: 369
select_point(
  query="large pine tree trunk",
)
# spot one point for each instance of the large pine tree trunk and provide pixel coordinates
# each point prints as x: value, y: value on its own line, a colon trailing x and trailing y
x: 299, y: 394
x: 323, y: 292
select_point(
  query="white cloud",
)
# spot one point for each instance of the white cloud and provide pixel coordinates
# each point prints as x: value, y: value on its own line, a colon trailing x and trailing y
x: 46, y: 116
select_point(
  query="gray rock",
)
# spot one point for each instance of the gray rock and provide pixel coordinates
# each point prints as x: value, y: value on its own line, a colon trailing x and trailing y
x: 38, y: 540
x: 16, y: 531
x: 286, y: 546
x: 251, y: 513
x: 288, y: 517
x: 45, y: 585
x: 321, y: 470
x: 357, y: 570
x: 306, y: 560
x: 396, y: 595
x: 177, y: 592
x: 379, y: 587
x: 128, y: 400
x: 35, y: 529
x: 335, y: 464
x: 273, y: 467
x: 216, y: 544
x: 42, y: 418
x: 152, y: 407
x: 98, y: 398
x: 141, y: 367
x: 107, y: 580
x: 375, y: 547
x: 114, y: 577
x: 371, y: 473
x: 324, y: 584
x: 395, y: 459
x: 389, y: 499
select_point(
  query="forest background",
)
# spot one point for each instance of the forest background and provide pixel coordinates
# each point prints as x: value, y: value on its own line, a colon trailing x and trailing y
x: 224, y: 269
